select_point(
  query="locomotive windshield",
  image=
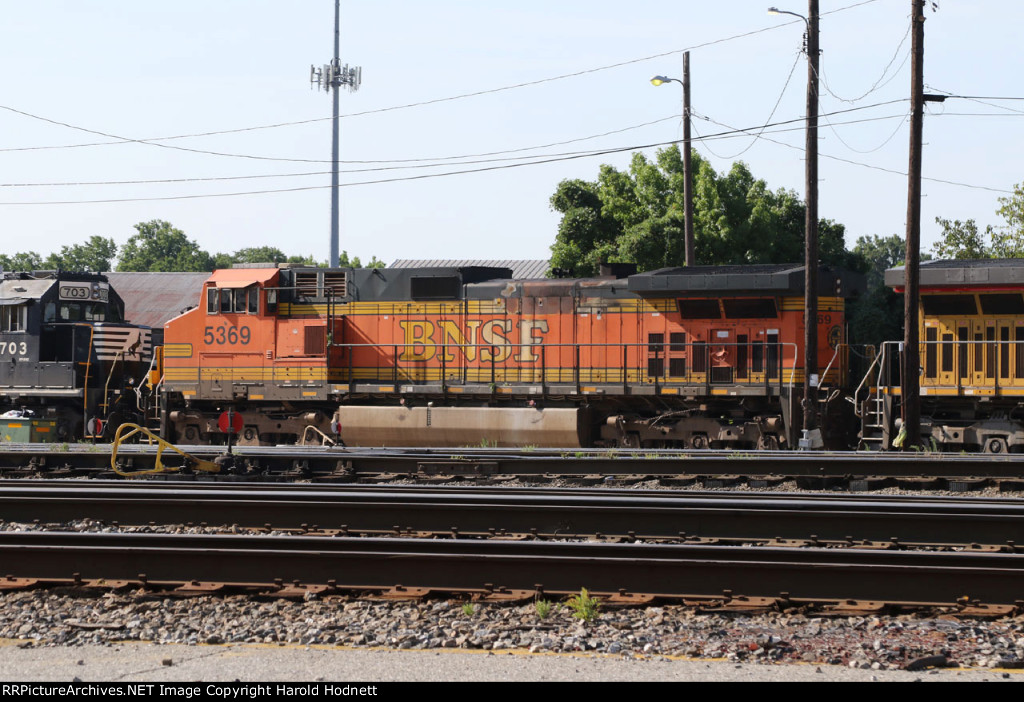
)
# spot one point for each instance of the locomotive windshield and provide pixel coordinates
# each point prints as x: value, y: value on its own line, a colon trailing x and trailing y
x: 80, y: 312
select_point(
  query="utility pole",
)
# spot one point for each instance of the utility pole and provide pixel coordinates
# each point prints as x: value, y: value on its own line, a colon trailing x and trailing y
x: 811, y: 225
x: 911, y: 386
x: 331, y: 77
x: 691, y: 258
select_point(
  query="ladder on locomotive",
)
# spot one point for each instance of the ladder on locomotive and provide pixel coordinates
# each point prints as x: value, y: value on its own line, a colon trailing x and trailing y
x: 869, y: 402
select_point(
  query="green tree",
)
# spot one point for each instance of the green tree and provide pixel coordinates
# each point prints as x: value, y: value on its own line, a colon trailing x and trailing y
x: 22, y: 261
x: 586, y: 236
x: 637, y: 216
x: 344, y: 261
x: 272, y: 254
x: 95, y: 256
x: 1008, y: 242
x: 158, y: 246
x: 962, y: 240
x: 877, y: 315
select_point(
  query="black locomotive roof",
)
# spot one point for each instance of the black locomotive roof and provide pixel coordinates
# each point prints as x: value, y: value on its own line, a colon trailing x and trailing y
x: 20, y: 286
x: 952, y: 273
x: 776, y: 278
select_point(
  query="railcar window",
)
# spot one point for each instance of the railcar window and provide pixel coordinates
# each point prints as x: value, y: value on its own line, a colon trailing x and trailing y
x: 211, y: 301
x: 271, y: 301
x: 13, y: 318
x: 96, y: 312
x: 958, y: 305
x: 225, y: 300
x: 990, y: 352
x: 1004, y: 352
x: 761, y: 308
x: 699, y: 309
x: 741, y: 356
x: 253, y: 293
x: 50, y: 312
x: 1018, y: 359
x: 773, y: 356
x: 240, y: 298
x: 1002, y: 303
x: 700, y: 357
x: 70, y: 312
x: 931, y: 352
x: 677, y: 346
x: 962, y: 338
x: 435, y: 287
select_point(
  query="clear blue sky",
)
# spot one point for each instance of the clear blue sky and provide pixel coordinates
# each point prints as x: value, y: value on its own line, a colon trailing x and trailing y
x: 141, y: 70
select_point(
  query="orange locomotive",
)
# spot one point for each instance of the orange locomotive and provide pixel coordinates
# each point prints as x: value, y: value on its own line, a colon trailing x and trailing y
x: 686, y: 357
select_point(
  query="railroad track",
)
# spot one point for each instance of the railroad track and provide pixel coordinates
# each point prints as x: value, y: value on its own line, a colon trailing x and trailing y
x: 624, y: 515
x: 630, y: 547
x: 856, y: 471
x: 518, y: 570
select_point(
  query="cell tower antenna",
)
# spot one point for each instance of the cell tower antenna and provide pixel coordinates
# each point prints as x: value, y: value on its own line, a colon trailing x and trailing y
x: 330, y: 77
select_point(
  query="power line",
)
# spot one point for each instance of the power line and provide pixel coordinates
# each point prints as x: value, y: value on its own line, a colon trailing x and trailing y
x: 885, y: 141
x: 154, y: 140
x: 539, y: 160
x: 768, y: 121
x: 431, y: 163
x: 877, y: 168
x: 878, y: 84
x: 157, y: 181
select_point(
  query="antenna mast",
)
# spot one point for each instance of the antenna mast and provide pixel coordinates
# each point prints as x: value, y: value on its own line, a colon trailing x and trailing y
x: 331, y: 77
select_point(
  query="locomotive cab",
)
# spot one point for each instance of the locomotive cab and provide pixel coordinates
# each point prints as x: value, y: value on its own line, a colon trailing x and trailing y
x: 69, y: 364
x: 971, y: 356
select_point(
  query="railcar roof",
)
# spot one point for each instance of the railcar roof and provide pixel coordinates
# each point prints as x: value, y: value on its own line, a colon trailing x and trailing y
x: 25, y: 288
x: 776, y: 278
x: 966, y: 273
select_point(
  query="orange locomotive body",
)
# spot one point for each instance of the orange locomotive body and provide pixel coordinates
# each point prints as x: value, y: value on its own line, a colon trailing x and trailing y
x: 693, y: 357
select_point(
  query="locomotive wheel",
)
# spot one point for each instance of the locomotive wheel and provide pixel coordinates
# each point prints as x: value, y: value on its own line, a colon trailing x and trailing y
x: 700, y: 441
x: 768, y: 442
x: 995, y: 444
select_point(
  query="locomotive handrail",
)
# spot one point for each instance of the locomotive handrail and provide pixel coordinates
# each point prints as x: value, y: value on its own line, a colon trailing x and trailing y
x: 774, y: 359
x: 835, y: 355
x: 867, y: 374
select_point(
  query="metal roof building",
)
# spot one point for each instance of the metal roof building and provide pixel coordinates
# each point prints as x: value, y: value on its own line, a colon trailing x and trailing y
x: 528, y: 269
x: 153, y: 298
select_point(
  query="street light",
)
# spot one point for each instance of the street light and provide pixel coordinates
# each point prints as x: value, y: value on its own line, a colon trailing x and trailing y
x: 660, y: 80
x: 777, y: 11
x: 688, y: 246
x: 811, y: 220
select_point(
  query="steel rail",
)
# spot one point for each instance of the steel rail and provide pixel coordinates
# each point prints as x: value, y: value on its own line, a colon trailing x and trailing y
x: 481, y: 463
x: 666, y: 570
x: 540, y: 513
x: 184, y: 483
